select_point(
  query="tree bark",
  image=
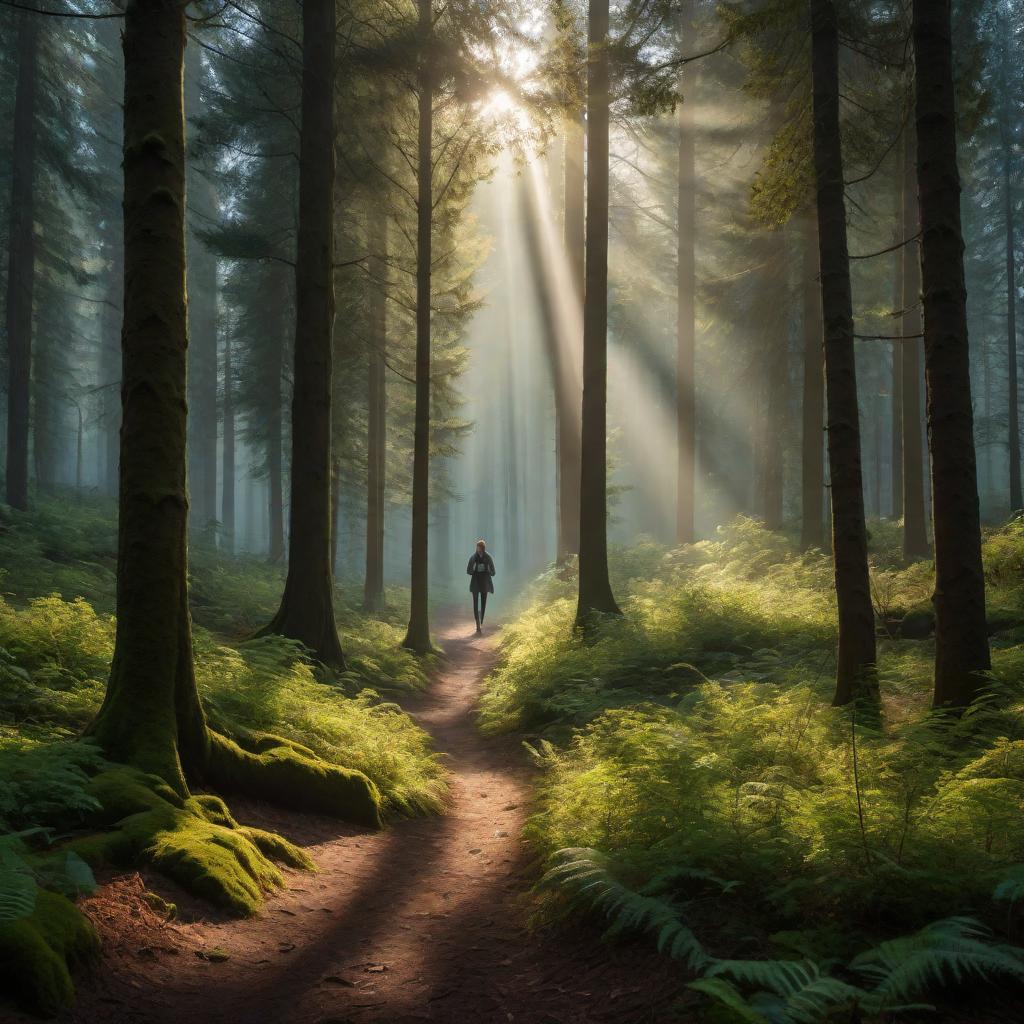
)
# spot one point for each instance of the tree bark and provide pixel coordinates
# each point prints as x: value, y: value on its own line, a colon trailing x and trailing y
x: 417, y: 635
x: 686, y: 290
x: 1009, y: 213
x: 961, y: 636
x: 151, y: 716
x: 307, y: 606
x: 201, y: 269
x: 21, y: 264
x: 275, y: 444
x: 227, y: 502
x: 595, y: 592
x: 896, y: 355
x: 812, y: 493
x: 855, y: 668
x: 574, y: 236
x: 915, y: 508
x: 376, y: 420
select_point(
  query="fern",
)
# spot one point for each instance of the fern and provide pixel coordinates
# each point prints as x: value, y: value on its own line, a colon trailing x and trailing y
x: 18, y: 886
x: 23, y: 872
x: 588, y: 877
x: 954, y: 949
x: 1011, y: 888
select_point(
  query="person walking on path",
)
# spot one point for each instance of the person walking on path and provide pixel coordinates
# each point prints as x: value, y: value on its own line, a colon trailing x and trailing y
x: 480, y: 571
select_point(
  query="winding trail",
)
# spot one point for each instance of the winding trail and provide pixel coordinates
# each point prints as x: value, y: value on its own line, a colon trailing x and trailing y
x: 426, y: 921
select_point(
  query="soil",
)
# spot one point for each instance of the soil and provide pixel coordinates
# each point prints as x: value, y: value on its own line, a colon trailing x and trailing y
x: 425, y: 921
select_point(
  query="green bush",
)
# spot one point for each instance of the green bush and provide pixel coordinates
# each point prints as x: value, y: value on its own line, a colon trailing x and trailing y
x: 698, y: 785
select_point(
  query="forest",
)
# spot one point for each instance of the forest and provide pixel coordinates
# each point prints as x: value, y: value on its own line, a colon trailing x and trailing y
x: 693, y: 325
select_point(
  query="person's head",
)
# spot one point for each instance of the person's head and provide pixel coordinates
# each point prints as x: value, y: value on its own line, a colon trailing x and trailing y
x: 481, y: 546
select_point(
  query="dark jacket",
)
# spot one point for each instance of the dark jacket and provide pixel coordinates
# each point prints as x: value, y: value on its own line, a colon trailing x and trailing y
x: 480, y: 579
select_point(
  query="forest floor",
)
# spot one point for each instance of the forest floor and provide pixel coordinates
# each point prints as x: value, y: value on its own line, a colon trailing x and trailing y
x: 425, y: 921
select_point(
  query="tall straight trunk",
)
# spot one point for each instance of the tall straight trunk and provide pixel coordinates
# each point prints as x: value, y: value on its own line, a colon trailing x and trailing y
x: 574, y: 235
x: 772, y: 473
x: 1009, y: 214
x: 855, y: 668
x: 961, y: 637
x: 896, y: 365
x: 275, y: 443
x: 376, y: 420
x: 373, y: 584
x: 227, y: 497
x: 812, y: 488
x: 915, y: 506
x: 595, y: 591
x: 307, y: 606
x: 686, y: 290
x: 417, y: 635
x: 201, y: 270
x: 110, y: 370
x: 21, y: 259
x: 151, y: 716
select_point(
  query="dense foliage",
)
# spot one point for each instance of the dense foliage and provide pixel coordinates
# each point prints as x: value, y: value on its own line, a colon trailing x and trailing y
x: 695, y: 772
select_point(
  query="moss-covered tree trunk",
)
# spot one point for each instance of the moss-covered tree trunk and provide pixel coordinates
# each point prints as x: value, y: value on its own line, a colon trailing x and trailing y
x: 915, y: 510
x: 417, y: 636
x: 21, y: 263
x: 961, y: 636
x: 376, y: 420
x: 855, y: 665
x: 812, y: 523
x: 595, y: 591
x: 151, y: 710
x: 574, y: 236
x: 307, y: 606
x: 686, y: 291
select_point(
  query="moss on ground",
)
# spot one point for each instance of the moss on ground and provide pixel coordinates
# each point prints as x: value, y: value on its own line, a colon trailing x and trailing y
x: 38, y: 952
x: 286, y: 772
x: 193, y: 840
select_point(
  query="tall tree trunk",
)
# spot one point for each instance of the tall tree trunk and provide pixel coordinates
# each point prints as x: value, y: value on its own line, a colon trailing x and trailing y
x: 896, y: 366
x: 855, y: 668
x: 110, y: 367
x: 812, y: 524
x: 21, y: 264
x: 1009, y: 213
x: 574, y: 235
x: 376, y: 420
x: 151, y: 715
x: 227, y: 497
x: 595, y: 591
x: 417, y: 635
x: 201, y: 269
x: 275, y: 445
x: 307, y: 606
x: 961, y: 636
x: 915, y: 507
x: 686, y: 291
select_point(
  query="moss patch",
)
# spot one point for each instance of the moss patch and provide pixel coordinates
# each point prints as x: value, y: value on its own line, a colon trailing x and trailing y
x: 192, y: 840
x: 282, y: 771
x: 38, y: 952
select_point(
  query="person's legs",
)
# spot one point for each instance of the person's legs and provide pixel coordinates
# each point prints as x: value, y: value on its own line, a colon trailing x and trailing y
x: 483, y: 605
x: 476, y: 608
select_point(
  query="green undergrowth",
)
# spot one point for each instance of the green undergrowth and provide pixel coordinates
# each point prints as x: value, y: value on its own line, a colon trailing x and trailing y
x: 697, y: 784
x: 284, y: 731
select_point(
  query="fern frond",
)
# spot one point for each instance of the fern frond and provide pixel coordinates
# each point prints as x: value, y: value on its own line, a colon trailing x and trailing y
x: 1011, y: 888
x: 588, y: 877
x: 954, y: 949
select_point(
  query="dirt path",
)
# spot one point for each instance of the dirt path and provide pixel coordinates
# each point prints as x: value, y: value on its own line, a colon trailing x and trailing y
x: 425, y: 921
